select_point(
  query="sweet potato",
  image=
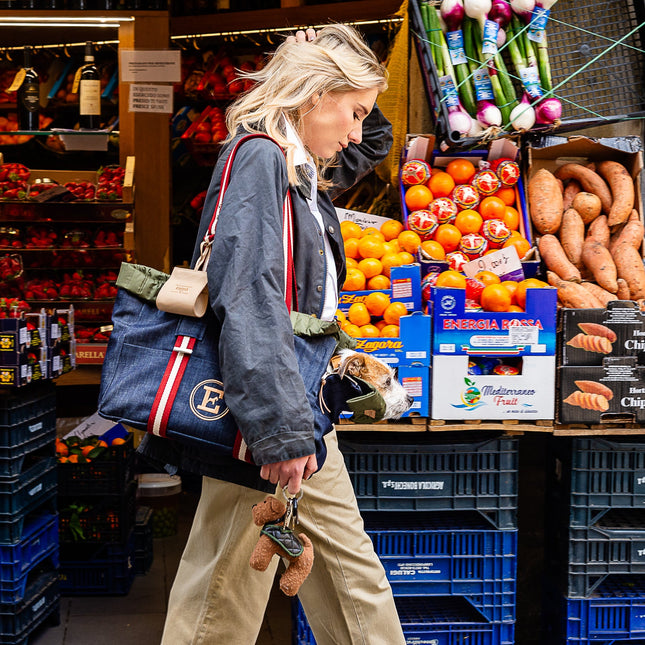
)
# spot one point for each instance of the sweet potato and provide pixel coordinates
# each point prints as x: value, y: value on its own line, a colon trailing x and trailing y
x: 588, y: 401
x: 631, y: 233
x: 572, y: 236
x: 598, y: 260
x: 570, y: 191
x: 602, y: 294
x: 621, y: 185
x: 599, y: 230
x: 593, y: 387
x: 629, y: 265
x: 556, y: 259
x: 572, y: 294
x: 590, y: 181
x: 596, y: 329
x: 588, y: 205
x: 623, y: 290
x: 545, y: 202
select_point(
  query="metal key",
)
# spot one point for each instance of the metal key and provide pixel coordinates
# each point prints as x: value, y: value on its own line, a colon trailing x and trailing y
x: 291, y: 514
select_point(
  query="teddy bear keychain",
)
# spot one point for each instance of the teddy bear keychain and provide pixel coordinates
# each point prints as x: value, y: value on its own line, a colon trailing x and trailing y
x: 277, y: 537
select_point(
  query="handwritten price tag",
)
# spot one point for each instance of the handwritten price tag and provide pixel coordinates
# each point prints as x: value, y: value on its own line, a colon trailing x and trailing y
x: 505, y: 263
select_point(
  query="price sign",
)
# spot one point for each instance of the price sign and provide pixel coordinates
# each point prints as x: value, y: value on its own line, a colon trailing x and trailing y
x: 505, y: 263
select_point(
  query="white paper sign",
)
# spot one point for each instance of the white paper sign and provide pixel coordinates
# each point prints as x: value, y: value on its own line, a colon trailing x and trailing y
x: 150, y: 66
x: 505, y: 263
x: 151, y: 98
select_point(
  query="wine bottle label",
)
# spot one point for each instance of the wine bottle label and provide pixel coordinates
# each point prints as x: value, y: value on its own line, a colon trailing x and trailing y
x: 489, y: 42
x: 456, y: 47
x: 31, y: 97
x: 449, y: 91
x: 90, y: 97
x: 537, y: 25
x: 17, y: 81
x: 531, y: 81
x: 483, y: 86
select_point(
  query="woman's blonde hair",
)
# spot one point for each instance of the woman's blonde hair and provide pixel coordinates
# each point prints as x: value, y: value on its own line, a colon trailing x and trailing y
x: 338, y: 60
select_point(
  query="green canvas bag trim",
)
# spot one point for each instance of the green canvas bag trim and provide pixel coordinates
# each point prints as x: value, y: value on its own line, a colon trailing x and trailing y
x: 146, y: 282
x: 369, y: 407
x: 141, y: 281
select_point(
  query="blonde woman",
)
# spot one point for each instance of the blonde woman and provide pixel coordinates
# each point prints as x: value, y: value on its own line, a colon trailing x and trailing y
x: 316, y: 98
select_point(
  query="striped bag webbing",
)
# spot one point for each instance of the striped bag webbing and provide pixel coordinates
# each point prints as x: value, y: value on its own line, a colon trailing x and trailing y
x: 183, y: 348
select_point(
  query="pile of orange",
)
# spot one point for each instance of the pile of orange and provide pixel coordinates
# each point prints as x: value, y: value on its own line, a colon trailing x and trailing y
x: 496, y: 295
x: 371, y: 253
x: 374, y: 317
x: 501, y: 205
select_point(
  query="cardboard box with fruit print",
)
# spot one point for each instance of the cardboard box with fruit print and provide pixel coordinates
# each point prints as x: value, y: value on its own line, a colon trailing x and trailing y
x: 463, y: 206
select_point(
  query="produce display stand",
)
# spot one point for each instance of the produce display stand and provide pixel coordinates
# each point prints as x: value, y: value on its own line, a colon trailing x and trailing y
x: 596, y: 65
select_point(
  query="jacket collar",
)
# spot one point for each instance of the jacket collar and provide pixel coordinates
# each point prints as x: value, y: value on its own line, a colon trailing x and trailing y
x: 301, y: 159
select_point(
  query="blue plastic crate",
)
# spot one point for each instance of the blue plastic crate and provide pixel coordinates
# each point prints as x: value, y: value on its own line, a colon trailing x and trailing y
x: 436, y: 621
x: 24, y: 493
x: 18, y: 406
x: 613, y: 546
x: 109, y: 571
x: 448, y: 554
x: 19, y: 620
x: 40, y: 434
x: 39, y: 540
x: 396, y: 472
x: 598, y: 474
x: 616, y: 612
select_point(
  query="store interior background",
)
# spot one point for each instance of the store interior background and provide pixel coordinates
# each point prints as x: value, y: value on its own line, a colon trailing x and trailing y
x: 138, y: 617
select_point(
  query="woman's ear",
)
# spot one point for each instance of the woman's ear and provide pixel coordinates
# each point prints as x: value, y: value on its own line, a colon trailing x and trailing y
x: 315, y: 99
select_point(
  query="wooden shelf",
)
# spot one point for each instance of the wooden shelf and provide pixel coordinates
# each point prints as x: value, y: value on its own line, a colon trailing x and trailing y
x: 263, y: 19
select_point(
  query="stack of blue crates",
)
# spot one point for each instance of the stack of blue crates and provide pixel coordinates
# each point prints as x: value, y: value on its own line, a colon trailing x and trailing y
x: 598, y: 540
x: 97, y: 502
x: 29, y: 592
x: 442, y: 515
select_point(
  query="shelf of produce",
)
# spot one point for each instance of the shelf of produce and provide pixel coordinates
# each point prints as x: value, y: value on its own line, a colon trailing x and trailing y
x: 96, y: 212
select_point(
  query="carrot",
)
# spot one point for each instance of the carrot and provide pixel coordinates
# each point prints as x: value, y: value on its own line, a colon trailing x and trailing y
x: 599, y: 230
x: 632, y: 233
x: 598, y: 260
x: 572, y: 236
x: 602, y: 294
x: 588, y: 205
x: 629, y: 265
x: 573, y: 295
x: 621, y: 185
x: 590, y: 181
x: 570, y: 191
x: 545, y: 202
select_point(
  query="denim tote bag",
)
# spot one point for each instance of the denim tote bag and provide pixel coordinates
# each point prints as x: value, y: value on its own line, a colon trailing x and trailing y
x: 161, y: 371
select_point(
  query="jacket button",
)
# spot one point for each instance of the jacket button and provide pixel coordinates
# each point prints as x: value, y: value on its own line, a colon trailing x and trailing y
x: 319, y: 288
x: 321, y: 252
x: 331, y: 230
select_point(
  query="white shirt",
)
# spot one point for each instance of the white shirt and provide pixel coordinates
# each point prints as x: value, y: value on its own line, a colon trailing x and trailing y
x: 302, y: 158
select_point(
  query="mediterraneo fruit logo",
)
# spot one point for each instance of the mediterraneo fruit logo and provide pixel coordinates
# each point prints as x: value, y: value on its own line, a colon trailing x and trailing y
x: 470, y: 396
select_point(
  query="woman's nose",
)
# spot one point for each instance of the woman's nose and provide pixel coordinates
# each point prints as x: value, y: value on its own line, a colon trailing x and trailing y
x: 356, y: 135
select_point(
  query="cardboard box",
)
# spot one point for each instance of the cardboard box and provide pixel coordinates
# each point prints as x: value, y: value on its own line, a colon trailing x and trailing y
x: 622, y: 321
x: 457, y: 331
x: 405, y: 287
x: 497, y: 149
x: 459, y: 396
x: 551, y: 152
x: 90, y: 353
x: 412, y: 348
x: 621, y: 383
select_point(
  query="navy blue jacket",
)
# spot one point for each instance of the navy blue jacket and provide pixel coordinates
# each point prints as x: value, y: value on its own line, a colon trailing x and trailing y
x: 263, y: 387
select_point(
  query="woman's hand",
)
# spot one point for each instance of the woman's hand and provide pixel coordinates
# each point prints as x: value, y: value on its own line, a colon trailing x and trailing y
x: 290, y: 473
x: 302, y: 36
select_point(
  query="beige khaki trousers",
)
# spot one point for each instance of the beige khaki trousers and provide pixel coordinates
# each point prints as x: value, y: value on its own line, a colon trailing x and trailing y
x: 217, y: 599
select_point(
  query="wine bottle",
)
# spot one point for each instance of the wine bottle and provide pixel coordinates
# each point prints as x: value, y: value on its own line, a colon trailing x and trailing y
x: 89, y: 92
x: 28, y: 96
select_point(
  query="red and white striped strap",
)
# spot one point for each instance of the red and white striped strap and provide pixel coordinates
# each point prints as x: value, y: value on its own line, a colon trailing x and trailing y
x: 174, y: 373
x: 162, y: 405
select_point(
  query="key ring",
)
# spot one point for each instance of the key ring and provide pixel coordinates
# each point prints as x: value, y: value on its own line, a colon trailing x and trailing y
x: 289, y: 497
